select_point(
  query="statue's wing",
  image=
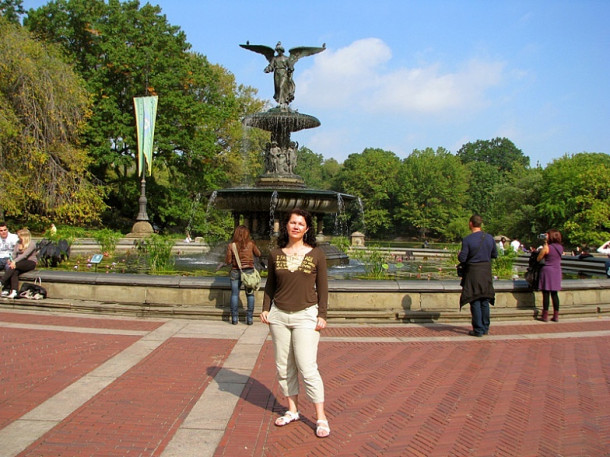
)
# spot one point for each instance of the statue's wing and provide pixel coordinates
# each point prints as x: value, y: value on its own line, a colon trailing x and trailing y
x: 304, y: 51
x: 261, y: 49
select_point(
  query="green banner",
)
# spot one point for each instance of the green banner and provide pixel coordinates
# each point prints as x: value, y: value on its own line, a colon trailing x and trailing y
x: 146, y: 113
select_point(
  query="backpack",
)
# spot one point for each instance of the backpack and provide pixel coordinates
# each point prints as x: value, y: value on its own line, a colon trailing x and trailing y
x: 532, y: 275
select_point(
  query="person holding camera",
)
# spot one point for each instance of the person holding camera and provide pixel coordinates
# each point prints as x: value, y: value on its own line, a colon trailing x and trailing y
x: 550, y: 275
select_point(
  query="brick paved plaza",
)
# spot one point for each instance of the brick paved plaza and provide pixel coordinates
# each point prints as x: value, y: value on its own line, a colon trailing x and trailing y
x: 82, y: 385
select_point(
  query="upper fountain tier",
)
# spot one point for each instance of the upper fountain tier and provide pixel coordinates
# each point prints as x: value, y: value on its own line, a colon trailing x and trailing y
x: 281, y: 119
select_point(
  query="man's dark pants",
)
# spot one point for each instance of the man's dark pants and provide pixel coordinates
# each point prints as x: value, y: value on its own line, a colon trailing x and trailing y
x: 479, y: 309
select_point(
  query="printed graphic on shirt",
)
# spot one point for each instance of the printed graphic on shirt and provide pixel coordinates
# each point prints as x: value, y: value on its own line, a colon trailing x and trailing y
x: 306, y: 265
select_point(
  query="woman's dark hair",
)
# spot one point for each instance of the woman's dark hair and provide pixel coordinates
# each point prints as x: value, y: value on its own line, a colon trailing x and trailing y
x: 554, y: 236
x: 241, y: 236
x: 309, y: 238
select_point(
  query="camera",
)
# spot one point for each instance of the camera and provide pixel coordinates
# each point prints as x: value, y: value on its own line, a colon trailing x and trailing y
x: 542, y: 236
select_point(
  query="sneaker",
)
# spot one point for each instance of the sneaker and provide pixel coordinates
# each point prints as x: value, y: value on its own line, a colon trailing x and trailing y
x: 13, y: 294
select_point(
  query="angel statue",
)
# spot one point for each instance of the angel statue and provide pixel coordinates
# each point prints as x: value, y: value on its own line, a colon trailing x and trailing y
x: 282, y: 67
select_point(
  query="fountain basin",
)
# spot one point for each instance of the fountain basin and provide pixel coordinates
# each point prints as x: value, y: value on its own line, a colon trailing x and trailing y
x: 281, y: 119
x: 248, y: 199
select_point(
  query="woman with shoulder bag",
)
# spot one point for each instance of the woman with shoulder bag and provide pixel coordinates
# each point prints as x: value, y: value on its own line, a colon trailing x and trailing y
x: 550, y: 274
x: 240, y: 255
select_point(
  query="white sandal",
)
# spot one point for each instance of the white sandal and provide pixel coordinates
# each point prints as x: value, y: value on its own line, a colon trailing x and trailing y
x: 322, y: 428
x: 287, y: 418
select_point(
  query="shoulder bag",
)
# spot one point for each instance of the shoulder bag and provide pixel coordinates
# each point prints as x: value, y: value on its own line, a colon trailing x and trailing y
x: 250, y: 280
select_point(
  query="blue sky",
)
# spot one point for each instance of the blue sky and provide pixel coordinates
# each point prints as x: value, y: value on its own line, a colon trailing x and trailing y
x: 402, y: 75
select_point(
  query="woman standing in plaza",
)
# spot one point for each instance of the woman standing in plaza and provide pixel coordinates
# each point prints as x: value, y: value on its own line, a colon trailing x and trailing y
x: 246, y: 250
x: 294, y: 306
x: 550, y: 274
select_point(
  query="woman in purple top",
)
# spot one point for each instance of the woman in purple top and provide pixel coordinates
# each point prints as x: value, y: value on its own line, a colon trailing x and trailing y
x: 550, y: 275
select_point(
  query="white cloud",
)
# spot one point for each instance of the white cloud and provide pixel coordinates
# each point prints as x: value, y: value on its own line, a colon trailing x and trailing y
x: 360, y: 76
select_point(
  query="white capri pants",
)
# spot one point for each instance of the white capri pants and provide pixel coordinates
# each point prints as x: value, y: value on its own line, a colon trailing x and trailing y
x: 295, y: 340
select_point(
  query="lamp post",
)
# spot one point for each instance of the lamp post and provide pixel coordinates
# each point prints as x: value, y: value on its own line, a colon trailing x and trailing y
x: 146, y: 112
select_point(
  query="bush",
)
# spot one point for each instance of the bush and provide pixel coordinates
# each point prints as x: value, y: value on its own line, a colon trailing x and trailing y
x: 158, y: 252
x: 108, y: 240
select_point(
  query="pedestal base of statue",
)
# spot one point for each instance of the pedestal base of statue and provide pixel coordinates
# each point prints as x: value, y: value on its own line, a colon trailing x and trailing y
x: 141, y: 229
x: 279, y: 181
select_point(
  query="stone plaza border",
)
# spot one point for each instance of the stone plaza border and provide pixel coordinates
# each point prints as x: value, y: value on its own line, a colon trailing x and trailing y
x: 355, y: 300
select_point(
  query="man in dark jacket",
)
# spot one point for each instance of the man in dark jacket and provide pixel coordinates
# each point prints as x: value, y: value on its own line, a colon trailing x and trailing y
x: 478, y: 249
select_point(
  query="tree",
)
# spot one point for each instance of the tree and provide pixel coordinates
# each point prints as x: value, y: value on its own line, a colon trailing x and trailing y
x: 123, y: 50
x: 431, y: 192
x: 498, y: 152
x: 43, y: 109
x: 575, y: 198
x: 372, y: 176
x: 11, y: 10
x: 317, y: 172
x: 515, y: 206
x: 485, y: 179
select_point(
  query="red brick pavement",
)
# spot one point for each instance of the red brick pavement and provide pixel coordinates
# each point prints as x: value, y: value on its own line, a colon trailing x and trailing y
x: 474, y: 397
x: 459, y: 396
x: 37, y: 364
x: 139, y: 413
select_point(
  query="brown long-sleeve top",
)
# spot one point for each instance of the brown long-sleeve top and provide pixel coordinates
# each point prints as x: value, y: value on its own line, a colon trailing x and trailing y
x: 296, y: 290
x: 28, y: 253
x: 246, y: 255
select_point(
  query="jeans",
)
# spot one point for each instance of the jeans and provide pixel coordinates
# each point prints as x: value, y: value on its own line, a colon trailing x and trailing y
x: 235, y: 276
x: 480, y: 316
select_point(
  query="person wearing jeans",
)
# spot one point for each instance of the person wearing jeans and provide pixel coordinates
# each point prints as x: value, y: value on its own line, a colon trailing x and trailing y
x: 477, y: 250
x: 246, y: 251
x: 235, y: 277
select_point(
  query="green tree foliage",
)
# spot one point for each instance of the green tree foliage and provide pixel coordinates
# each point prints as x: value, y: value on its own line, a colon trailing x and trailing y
x: 11, y: 10
x: 491, y: 162
x: 123, y: 50
x: 516, y: 213
x: 43, y: 109
x: 431, y: 190
x: 498, y: 152
x: 575, y: 198
x: 485, y: 179
x: 372, y: 176
x: 317, y: 172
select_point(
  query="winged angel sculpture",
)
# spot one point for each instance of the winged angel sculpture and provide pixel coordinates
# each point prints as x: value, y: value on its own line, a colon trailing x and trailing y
x: 282, y: 67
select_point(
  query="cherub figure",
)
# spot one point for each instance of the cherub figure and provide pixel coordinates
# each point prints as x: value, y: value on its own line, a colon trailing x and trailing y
x: 282, y: 67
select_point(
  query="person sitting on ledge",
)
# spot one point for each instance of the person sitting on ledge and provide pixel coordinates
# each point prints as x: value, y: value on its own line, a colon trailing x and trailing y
x: 605, y: 249
x: 22, y: 259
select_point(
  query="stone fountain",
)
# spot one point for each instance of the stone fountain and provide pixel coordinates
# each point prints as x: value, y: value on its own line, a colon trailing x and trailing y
x: 279, y: 190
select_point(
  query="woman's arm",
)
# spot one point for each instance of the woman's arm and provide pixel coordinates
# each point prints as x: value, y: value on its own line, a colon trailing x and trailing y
x: 25, y: 254
x: 543, y: 252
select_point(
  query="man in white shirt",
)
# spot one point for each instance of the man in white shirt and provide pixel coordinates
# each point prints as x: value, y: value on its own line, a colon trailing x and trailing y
x: 605, y: 249
x: 8, y: 241
x: 515, y: 244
